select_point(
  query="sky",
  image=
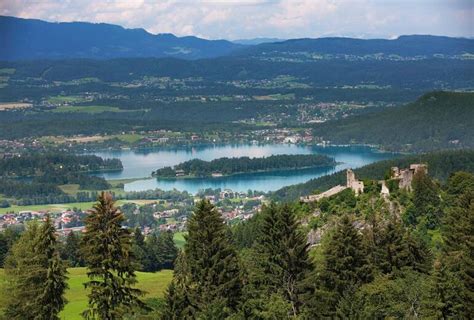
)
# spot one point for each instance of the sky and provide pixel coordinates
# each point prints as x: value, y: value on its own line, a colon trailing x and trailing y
x: 247, y: 19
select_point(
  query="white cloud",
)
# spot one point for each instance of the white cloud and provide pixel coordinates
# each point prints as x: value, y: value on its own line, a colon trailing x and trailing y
x: 234, y: 19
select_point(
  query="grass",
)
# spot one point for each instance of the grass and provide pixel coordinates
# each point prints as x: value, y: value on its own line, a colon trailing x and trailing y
x: 179, y: 240
x: 73, y: 189
x: 88, y: 109
x: 129, y: 138
x: 154, y: 284
x: 65, y: 99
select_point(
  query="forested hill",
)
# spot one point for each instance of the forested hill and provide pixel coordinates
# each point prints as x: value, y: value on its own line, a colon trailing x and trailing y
x: 403, y: 46
x: 35, y: 39
x: 437, y: 120
x: 440, y: 166
x: 229, y: 166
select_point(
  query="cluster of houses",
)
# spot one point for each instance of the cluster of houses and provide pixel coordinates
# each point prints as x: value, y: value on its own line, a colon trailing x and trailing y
x: 65, y: 221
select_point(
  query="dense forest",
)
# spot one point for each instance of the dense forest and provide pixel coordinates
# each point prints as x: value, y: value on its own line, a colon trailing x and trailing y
x: 404, y: 257
x: 35, y: 178
x: 437, y: 120
x: 440, y: 164
x: 228, y: 166
x: 34, y: 165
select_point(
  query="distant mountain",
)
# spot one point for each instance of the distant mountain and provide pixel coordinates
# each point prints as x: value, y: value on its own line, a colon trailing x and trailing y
x: 437, y: 120
x: 256, y: 41
x: 35, y: 39
x: 406, y: 46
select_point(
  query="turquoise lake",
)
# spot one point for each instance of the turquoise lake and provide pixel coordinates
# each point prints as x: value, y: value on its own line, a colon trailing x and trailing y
x: 140, y: 164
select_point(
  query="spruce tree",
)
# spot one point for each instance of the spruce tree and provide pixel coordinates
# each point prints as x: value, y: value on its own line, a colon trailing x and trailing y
x: 168, y: 250
x: 392, y: 247
x: 459, y: 246
x: 346, y: 264
x: 426, y: 200
x: 177, y: 304
x: 72, y: 250
x: 51, y: 297
x: 281, y: 257
x: 152, y: 248
x: 37, y: 275
x: 140, y: 252
x: 107, y: 250
x: 212, y: 263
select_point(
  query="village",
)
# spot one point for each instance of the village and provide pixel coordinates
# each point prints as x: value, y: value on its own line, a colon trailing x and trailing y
x: 150, y: 215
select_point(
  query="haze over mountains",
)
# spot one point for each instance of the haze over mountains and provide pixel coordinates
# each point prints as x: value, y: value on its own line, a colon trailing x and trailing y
x: 26, y: 39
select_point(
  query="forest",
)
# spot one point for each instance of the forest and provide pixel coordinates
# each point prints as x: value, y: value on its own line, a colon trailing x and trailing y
x: 227, y: 166
x: 407, y: 256
x: 34, y: 178
x: 437, y: 120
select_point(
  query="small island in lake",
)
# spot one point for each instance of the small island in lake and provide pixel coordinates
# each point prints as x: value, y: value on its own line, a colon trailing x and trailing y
x: 197, y: 168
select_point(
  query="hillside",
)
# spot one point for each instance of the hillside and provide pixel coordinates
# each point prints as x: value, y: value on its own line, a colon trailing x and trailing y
x: 440, y: 166
x: 437, y: 120
x: 35, y: 39
x: 403, y: 46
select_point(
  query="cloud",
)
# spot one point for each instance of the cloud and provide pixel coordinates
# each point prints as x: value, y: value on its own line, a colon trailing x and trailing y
x: 234, y: 19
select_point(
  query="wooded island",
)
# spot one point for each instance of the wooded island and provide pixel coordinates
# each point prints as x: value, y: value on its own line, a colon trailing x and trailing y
x: 197, y: 168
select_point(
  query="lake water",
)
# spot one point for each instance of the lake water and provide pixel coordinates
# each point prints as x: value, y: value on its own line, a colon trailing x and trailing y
x: 140, y: 164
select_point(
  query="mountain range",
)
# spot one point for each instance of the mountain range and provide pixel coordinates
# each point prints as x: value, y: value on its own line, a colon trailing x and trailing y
x: 29, y: 39
x: 35, y: 39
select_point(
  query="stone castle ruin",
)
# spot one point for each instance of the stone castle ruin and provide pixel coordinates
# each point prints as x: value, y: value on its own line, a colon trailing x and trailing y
x: 405, y: 176
x: 352, y: 182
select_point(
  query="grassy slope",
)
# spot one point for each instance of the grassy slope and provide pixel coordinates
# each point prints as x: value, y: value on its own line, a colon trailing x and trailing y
x: 153, y: 283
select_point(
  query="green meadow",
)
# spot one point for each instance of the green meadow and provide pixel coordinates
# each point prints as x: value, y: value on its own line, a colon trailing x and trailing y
x: 154, y: 284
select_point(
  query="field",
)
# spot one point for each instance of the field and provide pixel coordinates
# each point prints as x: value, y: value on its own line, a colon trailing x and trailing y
x: 65, y: 99
x: 154, y: 284
x: 14, y: 105
x: 87, y: 109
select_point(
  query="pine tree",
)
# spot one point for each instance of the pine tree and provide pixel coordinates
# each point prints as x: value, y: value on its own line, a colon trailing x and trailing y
x: 107, y: 250
x: 281, y: 256
x: 426, y: 200
x: 168, y: 250
x: 52, y: 295
x: 416, y: 254
x: 392, y: 247
x: 212, y: 262
x: 458, y: 236
x: 346, y: 264
x: 140, y: 252
x: 177, y: 304
x: 152, y: 248
x: 38, y: 275
x: 72, y: 250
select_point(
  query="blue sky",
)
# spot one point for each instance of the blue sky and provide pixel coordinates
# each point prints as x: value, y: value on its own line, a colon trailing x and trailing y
x: 240, y: 19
